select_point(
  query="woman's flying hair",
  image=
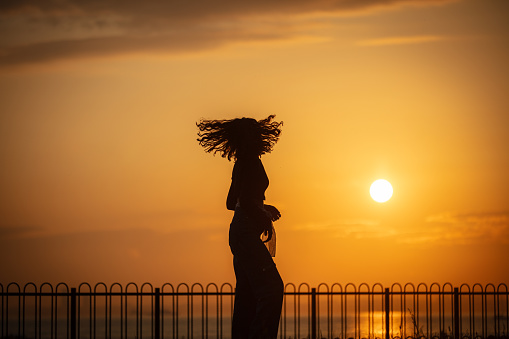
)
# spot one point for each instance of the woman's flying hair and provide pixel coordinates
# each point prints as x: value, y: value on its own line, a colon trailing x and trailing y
x: 234, y: 137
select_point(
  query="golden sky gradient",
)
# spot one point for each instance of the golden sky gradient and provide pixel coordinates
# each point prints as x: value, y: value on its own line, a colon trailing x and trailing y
x: 101, y: 177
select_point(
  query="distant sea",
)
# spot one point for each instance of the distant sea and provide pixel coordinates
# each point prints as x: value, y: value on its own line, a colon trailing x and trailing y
x: 115, y: 329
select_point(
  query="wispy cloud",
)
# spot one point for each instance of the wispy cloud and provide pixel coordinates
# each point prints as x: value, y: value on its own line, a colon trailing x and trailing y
x: 449, y: 227
x: 402, y: 40
x: 443, y: 228
x: 352, y: 229
x: 44, y: 30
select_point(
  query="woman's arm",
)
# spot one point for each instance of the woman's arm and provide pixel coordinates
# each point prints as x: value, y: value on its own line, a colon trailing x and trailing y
x: 231, y: 200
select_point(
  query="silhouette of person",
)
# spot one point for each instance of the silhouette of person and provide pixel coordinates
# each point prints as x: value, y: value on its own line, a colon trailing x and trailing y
x: 259, y: 287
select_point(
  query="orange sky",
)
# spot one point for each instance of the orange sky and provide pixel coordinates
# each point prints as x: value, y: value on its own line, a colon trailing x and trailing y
x: 101, y: 177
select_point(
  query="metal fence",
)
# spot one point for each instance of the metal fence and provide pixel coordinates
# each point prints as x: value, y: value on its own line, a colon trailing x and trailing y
x: 336, y: 311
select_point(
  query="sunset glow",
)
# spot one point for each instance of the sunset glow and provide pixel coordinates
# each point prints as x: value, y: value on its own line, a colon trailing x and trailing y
x: 102, y: 179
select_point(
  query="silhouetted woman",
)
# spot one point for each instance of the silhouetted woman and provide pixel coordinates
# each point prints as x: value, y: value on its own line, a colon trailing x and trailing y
x: 259, y: 288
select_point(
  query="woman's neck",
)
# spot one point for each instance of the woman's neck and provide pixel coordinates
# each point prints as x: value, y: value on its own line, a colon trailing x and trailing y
x: 247, y: 156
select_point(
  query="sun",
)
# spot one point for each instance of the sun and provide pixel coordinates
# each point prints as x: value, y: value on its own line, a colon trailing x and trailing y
x: 381, y: 190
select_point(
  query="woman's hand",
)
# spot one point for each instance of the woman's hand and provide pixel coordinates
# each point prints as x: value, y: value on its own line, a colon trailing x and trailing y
x: 273, y: 212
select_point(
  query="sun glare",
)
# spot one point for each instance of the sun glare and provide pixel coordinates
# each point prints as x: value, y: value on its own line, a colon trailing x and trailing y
x: 381, y: 190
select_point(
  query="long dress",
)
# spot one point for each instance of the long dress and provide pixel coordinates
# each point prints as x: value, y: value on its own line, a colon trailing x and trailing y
x: 259, y: 287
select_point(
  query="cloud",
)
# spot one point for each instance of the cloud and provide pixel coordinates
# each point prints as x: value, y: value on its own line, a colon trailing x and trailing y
x: 45, y: 30
x: 353, y: 229
x: 443, y: 228
x: 408, y: 40
x: 460, y: 228
x: 198, y: 9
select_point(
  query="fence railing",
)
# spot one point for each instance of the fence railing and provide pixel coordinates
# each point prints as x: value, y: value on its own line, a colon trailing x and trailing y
x: 336, y: 311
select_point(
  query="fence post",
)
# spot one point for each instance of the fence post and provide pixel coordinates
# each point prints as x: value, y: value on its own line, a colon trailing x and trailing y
x: 387, y: 311
x: 313, y: 313
x: 73, y: 313
x: 456, y: 314
x: 157, y: 314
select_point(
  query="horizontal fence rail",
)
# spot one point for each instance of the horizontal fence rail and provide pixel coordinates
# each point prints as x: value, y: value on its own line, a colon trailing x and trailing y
x: 336, y: 311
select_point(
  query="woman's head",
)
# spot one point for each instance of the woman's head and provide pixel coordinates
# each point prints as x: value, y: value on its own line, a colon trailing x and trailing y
x: 239, y: 137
